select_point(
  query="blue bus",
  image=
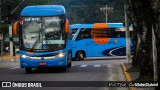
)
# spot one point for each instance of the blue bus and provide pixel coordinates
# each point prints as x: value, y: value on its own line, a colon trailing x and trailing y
x: 43, y: 33
x: 98, y: 40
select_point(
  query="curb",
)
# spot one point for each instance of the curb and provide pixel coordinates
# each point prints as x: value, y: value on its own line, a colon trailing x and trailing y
x: 9, y: 57
x: 127, y: 76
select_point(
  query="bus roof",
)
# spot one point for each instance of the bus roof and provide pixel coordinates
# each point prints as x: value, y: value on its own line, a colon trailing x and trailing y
x: 81, y: 25
x: 108, y: 25
x: 43, y: 10
x: 115, y: 25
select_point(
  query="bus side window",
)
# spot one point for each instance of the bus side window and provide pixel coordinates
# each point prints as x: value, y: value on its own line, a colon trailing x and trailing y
x: 74, y: 31
x: 84, y: 34
x: 112, y: 33
x: 119, y: 34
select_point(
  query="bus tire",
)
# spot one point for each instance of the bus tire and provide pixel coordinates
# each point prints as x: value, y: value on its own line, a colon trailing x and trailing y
x: 69, y: 59
x: 28, y: 70
x: 80, y: 56
x: 64, y: 69
x: 70, y: 64
x: 73, y: 59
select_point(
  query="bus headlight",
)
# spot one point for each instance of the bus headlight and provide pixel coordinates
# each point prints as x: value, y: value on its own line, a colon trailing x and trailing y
x: 60, y: 55
x: 24, y: 56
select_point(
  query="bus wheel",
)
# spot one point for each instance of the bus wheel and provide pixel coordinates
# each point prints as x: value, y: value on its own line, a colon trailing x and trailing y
x: 80, y: 56
x: 69, y: 65
x: 73, y: 59
x: 28, y: 70
x: 64, y: 69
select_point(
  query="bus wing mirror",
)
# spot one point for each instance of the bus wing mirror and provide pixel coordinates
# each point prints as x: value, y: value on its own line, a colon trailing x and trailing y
x: 15, y: 27
x: 67, y: 26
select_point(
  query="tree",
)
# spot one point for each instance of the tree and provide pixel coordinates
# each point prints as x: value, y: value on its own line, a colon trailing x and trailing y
x: 144, y: 15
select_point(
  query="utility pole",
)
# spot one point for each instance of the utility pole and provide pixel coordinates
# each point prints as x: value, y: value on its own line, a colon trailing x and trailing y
x: 154, y: 53
x: 128, y: 48
x: 11, y: 41
x: 10, y: 27
x: 106, y: 11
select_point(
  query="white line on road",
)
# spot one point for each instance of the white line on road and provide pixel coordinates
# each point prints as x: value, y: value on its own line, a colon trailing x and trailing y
x: 83, y: 66
x: 109, y: 66
x: 14, y: 67
x: 97, y: 65
x: 73, y: 65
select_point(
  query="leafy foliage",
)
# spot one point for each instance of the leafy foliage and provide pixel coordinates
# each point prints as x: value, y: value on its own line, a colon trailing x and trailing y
x: 88, y: 11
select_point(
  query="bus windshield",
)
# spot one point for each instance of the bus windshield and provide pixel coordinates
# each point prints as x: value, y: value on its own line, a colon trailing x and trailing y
x: 43, y: 33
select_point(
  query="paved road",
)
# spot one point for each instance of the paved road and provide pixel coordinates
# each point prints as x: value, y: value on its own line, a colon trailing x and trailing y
x: 87, y: 70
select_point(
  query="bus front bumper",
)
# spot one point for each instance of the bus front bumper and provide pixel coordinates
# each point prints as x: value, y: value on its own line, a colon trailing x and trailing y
x: 57, y: 62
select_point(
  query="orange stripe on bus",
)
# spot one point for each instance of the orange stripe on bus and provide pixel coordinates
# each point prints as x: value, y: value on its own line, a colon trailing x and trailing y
x: 98, y: 33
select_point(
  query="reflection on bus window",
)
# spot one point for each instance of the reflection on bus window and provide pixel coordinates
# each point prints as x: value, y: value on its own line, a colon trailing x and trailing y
x: 100, y: 33
x: 74, y: 31
x: 43, y: 32
x: 84, y: 33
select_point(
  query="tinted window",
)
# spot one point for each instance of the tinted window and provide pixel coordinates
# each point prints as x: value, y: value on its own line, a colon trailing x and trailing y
x: 100, y: 33
x: 84, y: 33
x: 107, y: 33
x: 74, y: 31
